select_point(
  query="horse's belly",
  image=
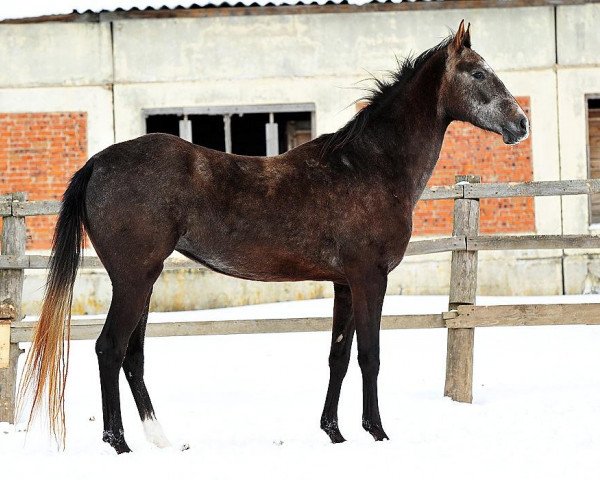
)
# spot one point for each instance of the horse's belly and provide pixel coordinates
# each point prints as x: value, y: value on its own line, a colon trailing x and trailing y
x: 252, y: 262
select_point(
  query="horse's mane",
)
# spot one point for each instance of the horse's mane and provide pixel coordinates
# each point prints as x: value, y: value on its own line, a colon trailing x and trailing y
x: 378, y: 97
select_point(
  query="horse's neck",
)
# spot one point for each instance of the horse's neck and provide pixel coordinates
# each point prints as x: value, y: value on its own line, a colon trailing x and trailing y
x: 424, y: 150
x: 412, y: 138
x: 414, y: 147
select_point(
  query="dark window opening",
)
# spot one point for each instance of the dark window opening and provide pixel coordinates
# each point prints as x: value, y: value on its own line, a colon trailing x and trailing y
x: 247, y: 131
x: 163, y: 124
x: 207, y: 130
x: 248, y: 136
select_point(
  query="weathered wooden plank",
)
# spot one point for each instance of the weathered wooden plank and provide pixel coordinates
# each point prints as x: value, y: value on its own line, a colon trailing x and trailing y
x: 45, y: 207
x: 13, y: 244
x: 436, y: 245
x: 470, y: 316
x: 484, y: 190
x: 90, y: 329
x: 527, y: 242
x: 442, y: 192
x: 52, y: 207
x: 532, y: 189
x: 5, y: 205
x: 463, y: 270
x: 42, y: 261
x: 459, y: 365
x: 463, y: 289
x: 4, y: 344
x: 11, y: 288
x: 401, y: 322
x: 419, y: 247
x: 15, y: 262
x: 233, y: 327
x: 182, y: 263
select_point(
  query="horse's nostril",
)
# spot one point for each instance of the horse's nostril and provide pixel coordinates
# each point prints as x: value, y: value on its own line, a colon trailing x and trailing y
x: 523, y: 124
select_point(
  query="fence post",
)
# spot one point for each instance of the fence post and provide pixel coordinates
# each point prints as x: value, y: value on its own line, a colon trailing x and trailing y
x: 463, y: 290
x: 14, y: 237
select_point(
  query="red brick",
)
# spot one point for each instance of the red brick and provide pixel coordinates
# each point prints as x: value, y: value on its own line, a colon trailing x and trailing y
x: 470, y: 150
x: 40, y: 152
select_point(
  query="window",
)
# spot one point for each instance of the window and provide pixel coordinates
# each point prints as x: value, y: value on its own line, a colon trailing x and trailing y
x: 244, y: 130
x: 593, y: 116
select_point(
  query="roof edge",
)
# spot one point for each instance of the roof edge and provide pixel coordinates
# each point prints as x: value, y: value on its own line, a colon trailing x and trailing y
x: 224, y: 11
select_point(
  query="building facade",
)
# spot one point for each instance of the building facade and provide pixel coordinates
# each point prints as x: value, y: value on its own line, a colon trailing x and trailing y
x: 75, y: 84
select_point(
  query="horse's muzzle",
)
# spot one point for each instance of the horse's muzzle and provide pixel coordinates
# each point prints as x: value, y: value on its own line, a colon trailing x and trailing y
x: 516, y: 132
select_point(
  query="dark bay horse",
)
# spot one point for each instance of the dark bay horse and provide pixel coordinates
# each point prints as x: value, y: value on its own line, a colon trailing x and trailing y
x: 338, y: 208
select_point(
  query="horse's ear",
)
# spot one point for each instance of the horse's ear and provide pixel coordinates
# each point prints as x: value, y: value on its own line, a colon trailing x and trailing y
x: 462, y: 38
x: 467, y: 37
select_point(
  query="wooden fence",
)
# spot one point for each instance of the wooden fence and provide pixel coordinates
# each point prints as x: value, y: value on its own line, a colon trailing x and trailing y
x: 462, y: 317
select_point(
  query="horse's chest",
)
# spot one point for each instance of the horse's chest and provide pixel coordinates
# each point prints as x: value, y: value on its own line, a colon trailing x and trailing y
x: 395, y: 237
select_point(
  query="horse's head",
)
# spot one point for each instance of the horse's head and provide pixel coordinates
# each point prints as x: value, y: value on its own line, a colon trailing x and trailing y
x: 471, y: 92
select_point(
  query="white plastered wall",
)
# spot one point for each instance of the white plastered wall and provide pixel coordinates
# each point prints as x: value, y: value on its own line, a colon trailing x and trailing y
x: 299, y: 58
x: 51, y: 54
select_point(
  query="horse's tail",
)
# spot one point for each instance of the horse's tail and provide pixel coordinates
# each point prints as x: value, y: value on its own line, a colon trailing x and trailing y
x: 46, y: 366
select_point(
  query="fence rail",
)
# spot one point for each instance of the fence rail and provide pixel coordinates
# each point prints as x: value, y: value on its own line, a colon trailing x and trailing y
x: 419, y: 247
x: 8, y: 207
x: 462, y: 317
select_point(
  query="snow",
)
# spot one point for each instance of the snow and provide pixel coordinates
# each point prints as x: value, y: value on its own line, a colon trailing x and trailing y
x: 249, y: 406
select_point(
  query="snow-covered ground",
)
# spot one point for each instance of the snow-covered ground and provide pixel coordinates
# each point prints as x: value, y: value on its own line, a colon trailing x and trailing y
x: 249, y: 406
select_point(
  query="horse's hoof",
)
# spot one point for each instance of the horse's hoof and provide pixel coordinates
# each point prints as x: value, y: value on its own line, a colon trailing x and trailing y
x: 336, y: 436
x: 118, y: 443
x: 376, y: 430
x: 333, y: 431
x: 122, y: 448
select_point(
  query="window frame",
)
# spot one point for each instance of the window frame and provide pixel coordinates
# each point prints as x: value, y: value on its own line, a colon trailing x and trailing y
x: 587, y: 97
x: 226, y: 111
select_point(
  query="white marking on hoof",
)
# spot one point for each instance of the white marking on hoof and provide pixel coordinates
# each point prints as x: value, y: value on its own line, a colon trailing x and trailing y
x: 154, y: 433
x: 339, y: 339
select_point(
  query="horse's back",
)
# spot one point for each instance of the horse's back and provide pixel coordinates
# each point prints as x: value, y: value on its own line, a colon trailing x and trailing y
x: 156, y: 193
x: 261, y: 218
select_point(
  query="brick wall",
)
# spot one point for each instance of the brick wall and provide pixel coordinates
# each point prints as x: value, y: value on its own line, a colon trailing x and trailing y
x: 470, y: 150
x: 39, y: 152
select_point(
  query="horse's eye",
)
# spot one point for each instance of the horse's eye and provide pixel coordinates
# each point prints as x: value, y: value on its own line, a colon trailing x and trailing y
x: 478, y: 75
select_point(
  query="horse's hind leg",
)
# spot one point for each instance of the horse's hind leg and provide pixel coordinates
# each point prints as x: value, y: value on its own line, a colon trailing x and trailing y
x: 133, y: 366
x: 127, y: 306
x: 339, y: 357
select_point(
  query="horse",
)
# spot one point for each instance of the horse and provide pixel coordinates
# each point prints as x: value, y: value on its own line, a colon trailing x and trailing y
x: 338, y: 208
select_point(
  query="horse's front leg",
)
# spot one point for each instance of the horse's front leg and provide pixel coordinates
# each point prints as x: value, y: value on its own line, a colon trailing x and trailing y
x: 339, y: 357
x: 368, y: 291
